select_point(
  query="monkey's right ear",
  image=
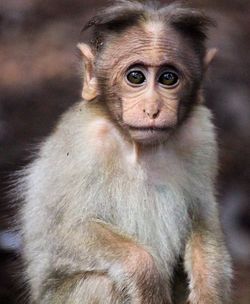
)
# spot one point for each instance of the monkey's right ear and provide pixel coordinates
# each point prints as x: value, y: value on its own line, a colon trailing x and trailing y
x: 90, y: 90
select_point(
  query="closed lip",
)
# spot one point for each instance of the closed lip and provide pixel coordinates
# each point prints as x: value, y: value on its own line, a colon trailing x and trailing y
x: 149, y: 128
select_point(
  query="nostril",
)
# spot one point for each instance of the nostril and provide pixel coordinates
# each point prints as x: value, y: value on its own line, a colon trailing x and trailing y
x: 155, y: 115
x: 150, y: 114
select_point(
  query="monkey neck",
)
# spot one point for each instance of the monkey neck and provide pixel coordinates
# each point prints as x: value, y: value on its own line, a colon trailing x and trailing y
x: 106, y: 130
x: 141, y: 151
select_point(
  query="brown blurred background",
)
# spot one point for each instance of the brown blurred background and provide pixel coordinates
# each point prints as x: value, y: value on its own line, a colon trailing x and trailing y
x: 39, y: 80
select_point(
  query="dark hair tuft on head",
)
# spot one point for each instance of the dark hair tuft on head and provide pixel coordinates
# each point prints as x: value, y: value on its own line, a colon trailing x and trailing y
x: 125, y: 13
x: 121, y: 14
x: 191, y: 22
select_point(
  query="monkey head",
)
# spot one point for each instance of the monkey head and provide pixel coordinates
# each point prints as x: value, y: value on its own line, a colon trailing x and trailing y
x: 146, y: 68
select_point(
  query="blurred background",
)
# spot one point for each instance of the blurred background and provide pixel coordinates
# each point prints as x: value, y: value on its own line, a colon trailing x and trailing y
x: 39, y: 80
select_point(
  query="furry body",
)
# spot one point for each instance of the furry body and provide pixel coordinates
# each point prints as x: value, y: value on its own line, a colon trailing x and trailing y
x: 123, y: 189
x: 149, y: 198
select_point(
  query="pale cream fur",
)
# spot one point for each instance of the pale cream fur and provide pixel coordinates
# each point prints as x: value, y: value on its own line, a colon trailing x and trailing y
x: 147, y: 196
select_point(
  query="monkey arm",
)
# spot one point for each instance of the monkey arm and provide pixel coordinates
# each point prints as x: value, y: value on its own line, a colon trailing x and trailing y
x: 208, y: 266
x: 112, y: 269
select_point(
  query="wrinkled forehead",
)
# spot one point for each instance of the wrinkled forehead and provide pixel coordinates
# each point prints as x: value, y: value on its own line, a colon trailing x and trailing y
x: 152, y: 44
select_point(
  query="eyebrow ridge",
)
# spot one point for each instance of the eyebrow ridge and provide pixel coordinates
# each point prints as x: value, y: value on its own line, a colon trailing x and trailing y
x: 146, y: 64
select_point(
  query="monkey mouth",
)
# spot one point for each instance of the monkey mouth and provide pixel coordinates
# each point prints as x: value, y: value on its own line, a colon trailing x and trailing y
x: 149, y: 128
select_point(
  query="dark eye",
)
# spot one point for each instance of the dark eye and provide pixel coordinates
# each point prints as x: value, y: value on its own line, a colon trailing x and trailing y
x: 168, y: 79
x: 136, y: 77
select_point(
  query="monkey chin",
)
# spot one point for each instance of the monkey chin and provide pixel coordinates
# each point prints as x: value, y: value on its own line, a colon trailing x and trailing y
x: 150, y: 136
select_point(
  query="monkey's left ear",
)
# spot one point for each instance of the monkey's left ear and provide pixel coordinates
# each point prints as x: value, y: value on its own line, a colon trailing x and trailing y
x: 89, y: 91
x: 209, y: 57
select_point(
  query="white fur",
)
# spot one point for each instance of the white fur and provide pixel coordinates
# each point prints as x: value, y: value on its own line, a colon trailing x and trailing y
x: 78, y: 176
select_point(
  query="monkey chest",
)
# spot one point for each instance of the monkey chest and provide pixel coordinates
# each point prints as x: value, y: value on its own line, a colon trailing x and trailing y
x: 155, y: 214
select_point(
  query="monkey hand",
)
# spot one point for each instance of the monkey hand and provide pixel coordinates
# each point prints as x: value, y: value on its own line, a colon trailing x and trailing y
x: 139, y: 278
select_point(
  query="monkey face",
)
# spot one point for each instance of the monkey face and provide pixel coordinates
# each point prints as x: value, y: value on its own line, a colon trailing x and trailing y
x: 149, y: 102
x: 149, y: 80
x: 148, y: 77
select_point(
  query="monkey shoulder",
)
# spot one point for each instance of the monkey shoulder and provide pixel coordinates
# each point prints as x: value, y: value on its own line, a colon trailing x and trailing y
x: 65, y: 160
x: 196, y: 140
x: 83, y: 140
x: 196, y: 153
x: 84, y: 133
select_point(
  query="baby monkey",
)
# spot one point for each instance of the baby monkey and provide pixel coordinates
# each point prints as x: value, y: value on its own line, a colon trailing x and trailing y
x: 123, y: 189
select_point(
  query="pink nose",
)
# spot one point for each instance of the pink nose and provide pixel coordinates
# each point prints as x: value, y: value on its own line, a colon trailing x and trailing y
x: 152, y: 114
